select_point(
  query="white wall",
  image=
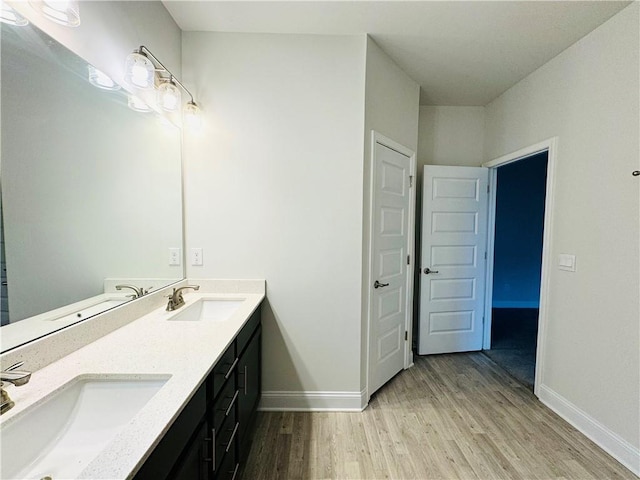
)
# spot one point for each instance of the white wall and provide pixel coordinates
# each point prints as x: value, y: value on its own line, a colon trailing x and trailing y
x: 451, y: 136
x: 588, y: 97
x: 391, y: 109
x: 273, y: 190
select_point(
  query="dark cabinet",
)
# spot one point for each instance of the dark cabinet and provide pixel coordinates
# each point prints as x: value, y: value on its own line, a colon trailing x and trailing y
x: 193, y: 466
x: 212, y: 435
x: 179, y: 443
x: 249, y: 371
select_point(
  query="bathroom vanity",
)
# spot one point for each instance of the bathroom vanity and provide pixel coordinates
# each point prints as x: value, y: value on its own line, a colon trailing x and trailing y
x: 168, y: 395
x: 212, y: 436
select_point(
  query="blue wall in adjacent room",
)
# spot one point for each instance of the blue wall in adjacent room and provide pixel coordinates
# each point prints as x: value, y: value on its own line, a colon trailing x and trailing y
x: 519, y: 231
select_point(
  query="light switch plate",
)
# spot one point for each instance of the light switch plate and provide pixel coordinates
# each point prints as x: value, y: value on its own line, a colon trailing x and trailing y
x: 196, y: 256
x: 567, y: 262
x: 174, y: 256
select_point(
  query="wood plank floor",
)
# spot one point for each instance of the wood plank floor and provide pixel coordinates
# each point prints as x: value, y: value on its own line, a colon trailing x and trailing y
x: 449, y: 417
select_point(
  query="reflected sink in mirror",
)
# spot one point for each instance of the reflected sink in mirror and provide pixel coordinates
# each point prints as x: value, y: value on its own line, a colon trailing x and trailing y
x: 209, y: 310
x: 19, y: 333
x: 91, y: 311
x: 62, y: 434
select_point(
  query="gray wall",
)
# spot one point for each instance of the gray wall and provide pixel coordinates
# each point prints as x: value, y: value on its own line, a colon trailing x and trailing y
x: 274, y: 190
x: 588, y: 97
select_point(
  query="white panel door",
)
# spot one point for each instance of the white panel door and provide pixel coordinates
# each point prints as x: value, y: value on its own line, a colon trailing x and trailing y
x: 389, y: 272
x: 452, y: 277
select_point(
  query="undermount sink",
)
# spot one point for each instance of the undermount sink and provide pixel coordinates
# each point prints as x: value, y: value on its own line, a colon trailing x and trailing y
x: 209, y: 310
x: 59, y: 436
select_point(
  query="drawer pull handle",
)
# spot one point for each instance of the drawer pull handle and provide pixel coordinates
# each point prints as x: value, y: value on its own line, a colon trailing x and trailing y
x: 235, y: 397
x: 235, y: 430
x: 235, y: 471
x: 213, y: 449
x: 245, y: 380
x: 233, y: 365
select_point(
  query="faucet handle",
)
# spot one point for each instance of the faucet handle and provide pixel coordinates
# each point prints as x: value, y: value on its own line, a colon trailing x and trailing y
x: 13, y: 367
x: 17, y: 377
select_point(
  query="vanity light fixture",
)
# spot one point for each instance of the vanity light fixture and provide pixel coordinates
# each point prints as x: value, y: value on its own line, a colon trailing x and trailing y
x: 192, y: 117
x: 10, y: 16
x: 141, y: 69
x: 64, y: 12
x: 101, y: 80
x: 169, y: 95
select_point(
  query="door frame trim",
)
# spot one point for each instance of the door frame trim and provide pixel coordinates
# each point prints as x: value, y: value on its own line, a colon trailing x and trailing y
x: 377, y: 137
x: 551, y: 147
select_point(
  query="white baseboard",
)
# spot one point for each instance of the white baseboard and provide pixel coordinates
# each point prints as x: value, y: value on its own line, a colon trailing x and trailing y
x: 312, y: 401
x: 610, y: 442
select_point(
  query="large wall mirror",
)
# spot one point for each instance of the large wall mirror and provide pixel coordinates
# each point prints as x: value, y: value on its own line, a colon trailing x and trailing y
x: 91, y: 191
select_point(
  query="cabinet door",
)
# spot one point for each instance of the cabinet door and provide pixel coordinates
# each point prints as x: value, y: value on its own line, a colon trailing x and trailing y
x: 175, y: 445
x: 249, y: 385
x: 193, y: 465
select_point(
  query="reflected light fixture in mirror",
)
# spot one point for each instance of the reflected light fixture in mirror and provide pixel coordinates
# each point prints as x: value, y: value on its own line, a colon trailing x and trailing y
x: 101, y: 80
x: 137, y: 104
x: 10, y: 16
x: 64, y: 12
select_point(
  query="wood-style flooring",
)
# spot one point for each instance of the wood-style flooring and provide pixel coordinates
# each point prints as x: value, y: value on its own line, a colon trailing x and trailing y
x: 454, y: 416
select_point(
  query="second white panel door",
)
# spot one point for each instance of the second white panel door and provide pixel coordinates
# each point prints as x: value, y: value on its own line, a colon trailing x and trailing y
x: 452, y: 278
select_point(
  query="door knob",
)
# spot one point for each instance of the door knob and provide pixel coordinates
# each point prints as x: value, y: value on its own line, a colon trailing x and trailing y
x: 428, y: 271
x: 377, y: 284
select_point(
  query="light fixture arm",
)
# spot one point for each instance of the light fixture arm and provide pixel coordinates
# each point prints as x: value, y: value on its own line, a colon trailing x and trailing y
x: 145, y: 51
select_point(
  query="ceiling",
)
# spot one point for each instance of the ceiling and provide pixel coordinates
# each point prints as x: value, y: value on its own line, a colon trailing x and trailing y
x: 460, y: 52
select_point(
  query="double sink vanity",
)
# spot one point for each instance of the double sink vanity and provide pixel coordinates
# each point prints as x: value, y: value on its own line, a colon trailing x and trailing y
x: 170, y: 394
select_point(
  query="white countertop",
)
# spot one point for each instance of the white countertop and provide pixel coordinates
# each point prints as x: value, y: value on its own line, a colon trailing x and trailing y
x: 150, y: 345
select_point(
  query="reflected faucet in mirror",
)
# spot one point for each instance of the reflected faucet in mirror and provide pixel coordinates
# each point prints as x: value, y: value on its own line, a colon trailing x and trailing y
x: 176, y: 300
x: 18, y: 378
x: 139, y: 291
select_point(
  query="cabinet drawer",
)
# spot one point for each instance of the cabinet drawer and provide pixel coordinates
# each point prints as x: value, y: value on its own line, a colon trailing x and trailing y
x: 247, y: 331
x: 223, y: 371
x: 229, y: 468
x: 225, y: 441
x: 225, y: 405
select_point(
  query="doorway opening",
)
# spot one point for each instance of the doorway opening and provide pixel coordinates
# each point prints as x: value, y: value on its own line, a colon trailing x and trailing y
x: 520, y: 189
x: 550, y: 148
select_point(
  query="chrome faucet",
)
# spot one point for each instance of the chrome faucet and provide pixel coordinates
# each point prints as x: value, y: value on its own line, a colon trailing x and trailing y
x: 176, y: 300
x: 139, y: 291
x: 18, y: 378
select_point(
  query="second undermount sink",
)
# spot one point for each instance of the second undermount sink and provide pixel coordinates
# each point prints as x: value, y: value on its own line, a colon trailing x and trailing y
x: 211, y: 310
x: 58, y: 437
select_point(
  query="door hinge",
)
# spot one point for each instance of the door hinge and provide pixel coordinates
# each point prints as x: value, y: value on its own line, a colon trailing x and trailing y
x: 488, y: 188
x: 485, y: 255
x: 410, y: 180
x: 408, y: 259
x: 406, y: 335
